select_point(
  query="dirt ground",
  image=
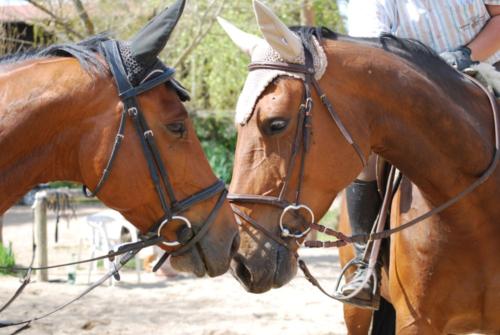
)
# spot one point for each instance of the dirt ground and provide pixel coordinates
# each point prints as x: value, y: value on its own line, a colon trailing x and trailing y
x: 160, y: 305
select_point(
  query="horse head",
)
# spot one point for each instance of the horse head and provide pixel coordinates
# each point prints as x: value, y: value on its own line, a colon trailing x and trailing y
x: 305, y: 131
x: 121, y: 129
x: 192, y: 195
x: 280, y: 164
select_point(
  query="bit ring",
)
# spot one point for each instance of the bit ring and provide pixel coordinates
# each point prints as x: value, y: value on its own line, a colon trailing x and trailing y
x: 285, y: 232
x: 175, y: 217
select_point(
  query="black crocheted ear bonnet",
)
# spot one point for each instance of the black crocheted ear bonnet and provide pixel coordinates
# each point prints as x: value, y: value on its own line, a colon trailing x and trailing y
x: 137, y: 72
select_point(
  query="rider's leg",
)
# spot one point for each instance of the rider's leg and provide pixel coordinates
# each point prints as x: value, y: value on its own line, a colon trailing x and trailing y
x: 363, y: 204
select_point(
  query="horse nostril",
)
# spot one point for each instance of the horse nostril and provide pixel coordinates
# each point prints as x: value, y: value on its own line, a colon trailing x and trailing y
x: 236, y: 245
x: 184, y: 234
x: 243, y: 273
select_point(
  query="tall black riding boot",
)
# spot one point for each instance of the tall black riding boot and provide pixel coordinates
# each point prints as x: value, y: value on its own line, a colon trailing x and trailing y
x: 363, y: 205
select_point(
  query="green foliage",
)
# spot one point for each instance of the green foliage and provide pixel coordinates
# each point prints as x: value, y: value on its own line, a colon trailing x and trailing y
x: 61, y: 184
x: 216, y: 70
x: 328, y: 15
x: 206, y: 60
x: 331, y: 220
x: 218, y: 139
x: 6, y: 259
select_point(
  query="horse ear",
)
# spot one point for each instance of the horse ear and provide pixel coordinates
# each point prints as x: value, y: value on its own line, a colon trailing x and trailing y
x: 277, y: 34
x: 245, y: 41
x: 150, y: 41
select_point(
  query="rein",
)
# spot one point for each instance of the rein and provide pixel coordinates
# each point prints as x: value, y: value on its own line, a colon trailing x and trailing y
x: 163, y: 186
x: 380, y: 234
x: 342, y: 240
x: 363, y: 238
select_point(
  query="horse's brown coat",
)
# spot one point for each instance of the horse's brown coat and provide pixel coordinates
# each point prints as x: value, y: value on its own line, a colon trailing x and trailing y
x: 443, y: 276
x: 57, y: 122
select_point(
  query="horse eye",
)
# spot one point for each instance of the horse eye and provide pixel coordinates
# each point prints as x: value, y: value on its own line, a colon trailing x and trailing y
x: 277, y: 125
x: 176, y: 128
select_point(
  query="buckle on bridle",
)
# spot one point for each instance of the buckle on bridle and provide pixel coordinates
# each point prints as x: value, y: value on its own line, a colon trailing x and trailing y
x: 132, y: 111
x: 309, y: 104
x: 285, y: 232
x: 175, y: 217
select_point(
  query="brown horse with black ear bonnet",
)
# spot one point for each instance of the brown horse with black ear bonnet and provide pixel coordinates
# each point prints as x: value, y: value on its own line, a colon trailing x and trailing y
x: 390, y: 96
x: 109, y: 115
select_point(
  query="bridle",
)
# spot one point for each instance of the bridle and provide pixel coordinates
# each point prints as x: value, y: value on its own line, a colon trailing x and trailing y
x: 158, y: 172
x: 302, y: 139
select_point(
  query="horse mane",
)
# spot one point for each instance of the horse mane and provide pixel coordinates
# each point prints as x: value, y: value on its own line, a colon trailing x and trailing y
x: 414, y: 51
x: 85, y: 52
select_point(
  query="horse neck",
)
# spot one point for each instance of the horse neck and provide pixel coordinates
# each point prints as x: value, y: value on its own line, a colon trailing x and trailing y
x: 439, y: 134
x: 42, y: 117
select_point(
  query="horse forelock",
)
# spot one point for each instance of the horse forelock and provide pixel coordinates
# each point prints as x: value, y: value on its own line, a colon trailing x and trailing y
x: 258, y: 80
x: 421, y: 56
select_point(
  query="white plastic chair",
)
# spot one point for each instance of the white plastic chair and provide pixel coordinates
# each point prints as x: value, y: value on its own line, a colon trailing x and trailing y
x: 105, y: 228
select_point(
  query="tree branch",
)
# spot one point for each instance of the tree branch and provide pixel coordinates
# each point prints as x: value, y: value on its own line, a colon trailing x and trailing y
x: 56, y: 18
x: 200, y: 35
x: 84, y: 16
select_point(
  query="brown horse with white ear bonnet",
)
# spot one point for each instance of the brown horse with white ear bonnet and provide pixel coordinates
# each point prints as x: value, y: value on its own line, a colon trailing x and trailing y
x: 61, y: 118
x: 398, y: 99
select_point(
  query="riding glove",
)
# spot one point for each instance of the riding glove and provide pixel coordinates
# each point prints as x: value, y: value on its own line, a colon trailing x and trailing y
x: 458, y: 58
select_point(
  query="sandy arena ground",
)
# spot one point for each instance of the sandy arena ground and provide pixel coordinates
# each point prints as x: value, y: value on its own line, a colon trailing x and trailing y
x: 160, y: 305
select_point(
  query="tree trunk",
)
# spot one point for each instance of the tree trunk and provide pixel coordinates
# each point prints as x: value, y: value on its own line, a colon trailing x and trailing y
x: 84, y: 16
x: 1, y: 229
x: 307, y: 13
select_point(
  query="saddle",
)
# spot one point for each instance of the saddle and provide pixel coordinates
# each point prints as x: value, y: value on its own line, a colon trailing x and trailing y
x: 488, y: 75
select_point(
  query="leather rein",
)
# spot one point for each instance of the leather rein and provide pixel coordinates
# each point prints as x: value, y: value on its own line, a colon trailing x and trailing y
x: 303, y: 136
x: 158, y: 172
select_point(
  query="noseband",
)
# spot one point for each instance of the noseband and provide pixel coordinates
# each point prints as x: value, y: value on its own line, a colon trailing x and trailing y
x: 302, y: 138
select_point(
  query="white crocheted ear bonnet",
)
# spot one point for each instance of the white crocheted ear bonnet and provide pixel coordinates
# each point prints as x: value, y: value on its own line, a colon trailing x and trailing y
x: 280, y: 45
x: 258, y: 80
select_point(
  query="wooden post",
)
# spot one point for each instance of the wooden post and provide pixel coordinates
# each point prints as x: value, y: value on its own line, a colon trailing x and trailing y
x: 41, y: 234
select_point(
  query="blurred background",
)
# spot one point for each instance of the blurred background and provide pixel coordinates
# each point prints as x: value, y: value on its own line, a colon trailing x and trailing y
x: 199, y: 50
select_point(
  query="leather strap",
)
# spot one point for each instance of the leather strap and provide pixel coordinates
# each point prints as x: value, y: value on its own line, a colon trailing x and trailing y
x: 114, y: 272
x: 167, y: 75
x: 158, y: 175
x: 301, y: 139
x: 478, y: 182
x: 259, y: 227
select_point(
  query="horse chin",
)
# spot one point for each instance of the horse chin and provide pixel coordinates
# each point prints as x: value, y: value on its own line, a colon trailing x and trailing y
x: 267, y: 273
x: 286, y: 269
x: 190, y: 262
x: 204, y: 259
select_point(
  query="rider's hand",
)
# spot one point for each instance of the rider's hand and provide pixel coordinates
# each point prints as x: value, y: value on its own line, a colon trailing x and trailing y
x: 458, y: 58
